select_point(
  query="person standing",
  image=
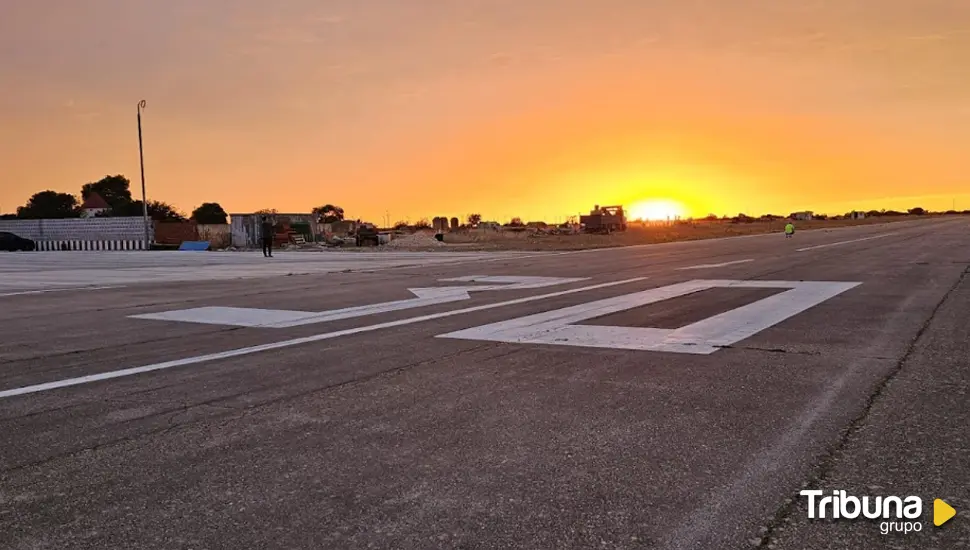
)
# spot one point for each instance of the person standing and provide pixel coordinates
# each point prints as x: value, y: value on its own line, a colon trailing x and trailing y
x: 267, y: 233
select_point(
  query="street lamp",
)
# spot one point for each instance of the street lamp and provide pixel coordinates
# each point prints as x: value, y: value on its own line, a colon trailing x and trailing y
x: 141, y: 159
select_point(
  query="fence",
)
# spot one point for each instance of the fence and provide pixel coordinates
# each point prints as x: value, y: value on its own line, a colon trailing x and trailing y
x: 175, y: 233
x: 218, y: 235
x: 128, y: 233
x: 90, y: 245
x: 246, y: 230
x: 121, y: 233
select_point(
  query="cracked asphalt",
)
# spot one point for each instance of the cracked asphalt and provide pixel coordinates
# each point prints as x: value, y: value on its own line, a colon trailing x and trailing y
x: 389, y: 437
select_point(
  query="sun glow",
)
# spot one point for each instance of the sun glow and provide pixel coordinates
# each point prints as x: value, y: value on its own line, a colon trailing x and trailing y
x: 656, y: 209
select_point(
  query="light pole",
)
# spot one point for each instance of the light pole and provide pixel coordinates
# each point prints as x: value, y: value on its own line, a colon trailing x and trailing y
x: 141, y: 159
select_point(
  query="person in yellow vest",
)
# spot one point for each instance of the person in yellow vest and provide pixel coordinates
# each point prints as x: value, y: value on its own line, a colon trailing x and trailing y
x: 789, y: 230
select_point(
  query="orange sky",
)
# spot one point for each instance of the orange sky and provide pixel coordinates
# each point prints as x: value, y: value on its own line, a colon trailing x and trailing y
x: 536, y: 109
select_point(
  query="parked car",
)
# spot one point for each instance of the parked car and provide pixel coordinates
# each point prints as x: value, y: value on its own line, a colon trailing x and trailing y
x: 14, y: 243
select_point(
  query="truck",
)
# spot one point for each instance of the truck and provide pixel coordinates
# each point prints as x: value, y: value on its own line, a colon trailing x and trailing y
x: 604, y: 219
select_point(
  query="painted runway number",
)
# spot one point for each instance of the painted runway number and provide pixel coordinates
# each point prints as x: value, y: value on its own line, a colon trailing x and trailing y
x: 703, y: 337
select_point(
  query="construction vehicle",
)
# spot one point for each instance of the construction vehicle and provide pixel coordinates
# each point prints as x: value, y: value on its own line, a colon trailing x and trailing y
x: 604, y: 219
x: 367, y: 235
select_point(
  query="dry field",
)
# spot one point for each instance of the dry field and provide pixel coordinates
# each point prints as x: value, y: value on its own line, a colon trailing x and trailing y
x: 530, y: 240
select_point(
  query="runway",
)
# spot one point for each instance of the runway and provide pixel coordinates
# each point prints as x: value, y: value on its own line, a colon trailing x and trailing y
x: 667, y: 396
x: 31, y: 272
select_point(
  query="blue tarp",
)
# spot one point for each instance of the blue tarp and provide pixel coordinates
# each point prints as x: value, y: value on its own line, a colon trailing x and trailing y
x: 194, y: 245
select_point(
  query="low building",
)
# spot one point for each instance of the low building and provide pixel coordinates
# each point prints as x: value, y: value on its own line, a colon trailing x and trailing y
x: 802, y: 216
x: 856, y: 215
x: 94, y: 205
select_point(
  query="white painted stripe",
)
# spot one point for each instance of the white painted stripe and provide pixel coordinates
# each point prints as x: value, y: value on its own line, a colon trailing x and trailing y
x: 80, y: 288
x: 839, y: 243
x: 294, y: 342
x: 723, y: 264
x: 559, y: 327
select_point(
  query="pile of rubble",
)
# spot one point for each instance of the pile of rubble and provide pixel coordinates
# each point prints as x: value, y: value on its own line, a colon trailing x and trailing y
x: 417, y: 240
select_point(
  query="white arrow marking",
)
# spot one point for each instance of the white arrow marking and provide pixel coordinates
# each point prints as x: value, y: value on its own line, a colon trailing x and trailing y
x: 280, y: 318
x: 239, y: 352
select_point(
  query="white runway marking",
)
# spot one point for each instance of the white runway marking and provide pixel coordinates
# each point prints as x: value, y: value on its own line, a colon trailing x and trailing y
x: 703, y: 337
x: 75, y: 289
x: 294, y: 342
x: 279, y: 318
x: 709, y: 266
x: 839, y: 243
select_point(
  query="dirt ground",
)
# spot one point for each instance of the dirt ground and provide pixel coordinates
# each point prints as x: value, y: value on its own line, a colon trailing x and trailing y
x: 531, y: 240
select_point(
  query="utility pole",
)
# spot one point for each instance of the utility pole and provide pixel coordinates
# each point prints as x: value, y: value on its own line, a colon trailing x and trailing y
x: 141, y: 159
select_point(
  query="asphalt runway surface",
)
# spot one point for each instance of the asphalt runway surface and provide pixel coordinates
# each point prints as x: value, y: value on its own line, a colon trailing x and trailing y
x: 668, y: 396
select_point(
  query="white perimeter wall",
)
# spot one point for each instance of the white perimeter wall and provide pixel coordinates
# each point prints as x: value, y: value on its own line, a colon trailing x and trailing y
x: 81, y: 229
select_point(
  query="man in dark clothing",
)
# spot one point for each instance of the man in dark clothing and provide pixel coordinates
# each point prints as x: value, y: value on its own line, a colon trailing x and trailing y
x: 267, y: 236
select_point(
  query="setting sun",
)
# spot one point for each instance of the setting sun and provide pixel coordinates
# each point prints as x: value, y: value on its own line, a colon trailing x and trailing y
x: 657, y: 209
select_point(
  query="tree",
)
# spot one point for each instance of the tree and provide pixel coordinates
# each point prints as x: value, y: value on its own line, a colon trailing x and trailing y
x: 423, y: 223
x: 516, y: 222
x: 329, y: 213
x: 159, y: 211
x: 474, y: 219
x: 116, y: 191
x: 162, y: 211
x: 917, y: 211
x: 8, y: 216
x: 400, y: 224
x: 210, y: 213
x: 50, y: 204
